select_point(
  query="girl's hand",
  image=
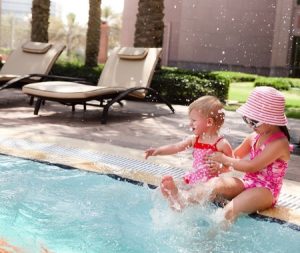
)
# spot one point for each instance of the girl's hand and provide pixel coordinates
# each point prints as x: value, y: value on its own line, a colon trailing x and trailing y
x: 215, y: 162
x: 215, y: 157
x: 215, y: 167
x: 150, y: 152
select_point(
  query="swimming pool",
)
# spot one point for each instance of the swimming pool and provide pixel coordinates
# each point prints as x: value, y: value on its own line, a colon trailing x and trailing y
x: 76, y: 211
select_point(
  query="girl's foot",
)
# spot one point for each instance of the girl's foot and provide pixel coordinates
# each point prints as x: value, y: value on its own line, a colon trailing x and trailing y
x: 170, y: 191
x: 168, y: 187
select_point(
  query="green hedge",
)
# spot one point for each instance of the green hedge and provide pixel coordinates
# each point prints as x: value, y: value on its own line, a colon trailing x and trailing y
x: 76, y: 69
x: 235, y: 76
x: 276, y: 82
x: 295, y: 82
x: 183, y: 87
x: 280, y: 83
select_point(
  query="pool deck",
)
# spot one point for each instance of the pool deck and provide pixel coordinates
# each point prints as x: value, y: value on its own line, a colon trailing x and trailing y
x: 79, y: 140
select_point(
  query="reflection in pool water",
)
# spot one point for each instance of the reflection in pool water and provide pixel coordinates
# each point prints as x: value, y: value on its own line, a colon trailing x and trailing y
x: 77, y: 211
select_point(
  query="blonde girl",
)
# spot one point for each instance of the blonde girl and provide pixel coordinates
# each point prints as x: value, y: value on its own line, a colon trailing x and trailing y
x: 206, y: 118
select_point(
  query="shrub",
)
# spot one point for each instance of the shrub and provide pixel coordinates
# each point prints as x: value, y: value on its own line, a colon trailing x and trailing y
x: 76, y: 69
x: 235, y: 76
x: 295, y: 82
x: 183, y: 87
x: 276, y: 82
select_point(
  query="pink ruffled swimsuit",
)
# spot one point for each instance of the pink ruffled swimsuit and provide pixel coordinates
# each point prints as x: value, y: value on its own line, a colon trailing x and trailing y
x: 270, y: 177
x: 201, y: 171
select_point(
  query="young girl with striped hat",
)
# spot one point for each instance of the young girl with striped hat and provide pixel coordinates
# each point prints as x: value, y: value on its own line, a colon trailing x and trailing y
x: 269, y: 151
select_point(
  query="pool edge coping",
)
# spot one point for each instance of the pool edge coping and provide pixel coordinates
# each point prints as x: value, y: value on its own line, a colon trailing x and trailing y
x: 284, y: 214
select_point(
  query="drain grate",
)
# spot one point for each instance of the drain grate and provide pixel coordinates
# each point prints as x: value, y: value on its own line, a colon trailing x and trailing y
x: 120, y: 163
x: 95, y: 157
x: 289, y: 201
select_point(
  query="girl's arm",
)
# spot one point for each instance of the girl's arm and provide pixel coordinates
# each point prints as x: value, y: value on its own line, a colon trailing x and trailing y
x: 170, y: 149
x: 244, y: 148
x: 273, y: 151
x: 224, y: 147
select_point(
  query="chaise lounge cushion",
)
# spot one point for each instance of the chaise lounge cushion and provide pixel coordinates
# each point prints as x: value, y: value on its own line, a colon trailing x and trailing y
x: 68, y: 90
x: 36, y: 47
x: 130, y: 53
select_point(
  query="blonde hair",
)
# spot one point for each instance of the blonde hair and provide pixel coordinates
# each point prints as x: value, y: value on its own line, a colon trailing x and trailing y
x: 211, y: 107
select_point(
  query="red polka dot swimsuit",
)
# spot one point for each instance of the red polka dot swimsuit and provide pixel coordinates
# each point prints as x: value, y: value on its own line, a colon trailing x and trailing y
x: 201, y: 171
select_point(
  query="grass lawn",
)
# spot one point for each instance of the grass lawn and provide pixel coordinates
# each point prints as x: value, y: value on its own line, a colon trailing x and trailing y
x: 240, y: 91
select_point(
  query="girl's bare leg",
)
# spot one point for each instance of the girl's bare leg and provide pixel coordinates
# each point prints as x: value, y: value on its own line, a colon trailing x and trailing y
x: 227, y: 187
x: 179, y: 197
x: 248, y: 201
x: 170, y: 191
x: 168, y: 187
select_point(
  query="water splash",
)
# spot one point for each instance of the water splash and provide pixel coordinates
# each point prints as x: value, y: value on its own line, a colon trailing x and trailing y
x: 189, y: 230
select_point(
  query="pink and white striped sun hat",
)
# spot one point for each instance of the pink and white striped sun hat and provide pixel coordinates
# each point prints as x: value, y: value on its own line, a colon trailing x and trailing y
x: 266, y: 105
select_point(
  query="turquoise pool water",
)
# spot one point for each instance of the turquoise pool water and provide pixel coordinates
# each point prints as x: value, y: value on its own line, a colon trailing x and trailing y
x: 75, y: 211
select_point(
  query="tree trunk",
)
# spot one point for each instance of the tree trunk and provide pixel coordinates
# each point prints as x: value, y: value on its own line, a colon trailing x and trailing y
x: 93, y: 34
x: 40, y: 20
x: 149, y: 26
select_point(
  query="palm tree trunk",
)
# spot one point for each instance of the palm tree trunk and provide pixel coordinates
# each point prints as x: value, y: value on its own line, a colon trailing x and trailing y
x: 93, y: 34
x: 40, y: 20
x: 149, y: 27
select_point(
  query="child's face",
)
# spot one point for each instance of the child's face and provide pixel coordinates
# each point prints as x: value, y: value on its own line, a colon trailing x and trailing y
x: 264, y: 129
x: 198, y: 122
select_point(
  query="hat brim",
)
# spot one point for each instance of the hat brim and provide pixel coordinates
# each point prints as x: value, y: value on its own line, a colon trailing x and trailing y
x: 249, y: 113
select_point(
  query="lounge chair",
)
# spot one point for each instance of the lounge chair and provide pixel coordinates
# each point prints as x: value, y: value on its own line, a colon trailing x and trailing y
x: 127, y: 74
x: 29, y: 63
